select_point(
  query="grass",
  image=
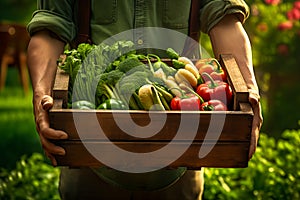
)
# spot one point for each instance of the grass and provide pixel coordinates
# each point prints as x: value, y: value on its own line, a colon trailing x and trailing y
x: 17, y: 127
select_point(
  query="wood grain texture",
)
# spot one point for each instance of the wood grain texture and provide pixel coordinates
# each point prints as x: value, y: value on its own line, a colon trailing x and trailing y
x: 235, y: 79
x: 60, y: 88
x: 94, y: 127
x: 225, y: 155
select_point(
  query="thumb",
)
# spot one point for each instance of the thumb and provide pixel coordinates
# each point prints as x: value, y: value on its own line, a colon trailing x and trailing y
x: 47, y: 102
x: 254, y: 97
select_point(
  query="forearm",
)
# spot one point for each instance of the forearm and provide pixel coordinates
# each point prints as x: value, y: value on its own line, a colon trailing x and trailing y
x: 230, y: 38
x: 43, y: 52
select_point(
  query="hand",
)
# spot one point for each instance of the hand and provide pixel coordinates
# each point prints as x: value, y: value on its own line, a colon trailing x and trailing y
x: 257, y: 122
x: 231, y: 27
x: 46, y: 133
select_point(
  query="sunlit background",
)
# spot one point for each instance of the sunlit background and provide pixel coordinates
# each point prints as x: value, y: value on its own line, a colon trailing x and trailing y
x: 273, y: 173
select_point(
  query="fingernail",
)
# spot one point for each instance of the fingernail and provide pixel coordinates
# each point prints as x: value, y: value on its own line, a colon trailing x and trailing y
x: 63, y: 136
x: 61, y: 153
x: 47, y: 105
x: 47, y: 102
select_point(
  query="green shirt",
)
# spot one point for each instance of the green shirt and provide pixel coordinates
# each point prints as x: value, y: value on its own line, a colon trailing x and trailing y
x: 111, y: 17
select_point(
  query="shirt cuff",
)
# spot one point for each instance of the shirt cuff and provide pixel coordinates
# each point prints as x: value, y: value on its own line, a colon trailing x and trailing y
x: 43, y: 19
x: 214, y: 11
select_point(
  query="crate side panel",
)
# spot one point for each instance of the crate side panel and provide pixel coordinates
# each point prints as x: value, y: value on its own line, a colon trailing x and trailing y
x: 99, y: 124
x: 233, y: 155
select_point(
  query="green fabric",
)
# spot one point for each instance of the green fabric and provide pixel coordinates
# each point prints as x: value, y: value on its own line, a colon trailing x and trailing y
x: 110, y: 17
x: 56, y: 16
x: 213, y: 11
x: 145, y: 181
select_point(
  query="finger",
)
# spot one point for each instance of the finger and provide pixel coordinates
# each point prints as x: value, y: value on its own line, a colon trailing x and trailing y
x: 256, y: 126
x: 51, y: 148
x: 254, y: 97
x: 46, y: 133
x: 253, y: 142
x: 52, y: 159
x: 44, y: 129
x: 254, y: 100
x: 50, y: 133
x: 47, y: 102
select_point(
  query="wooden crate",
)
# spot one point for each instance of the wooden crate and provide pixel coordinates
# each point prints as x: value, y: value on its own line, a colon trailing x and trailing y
x: 230, y: 149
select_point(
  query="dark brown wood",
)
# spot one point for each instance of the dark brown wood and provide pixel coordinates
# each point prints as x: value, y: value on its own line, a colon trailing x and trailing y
x: 60, y: 88
x: 237, y: 124
x: 82, y: 126
x: 230, y: 154
x: 83, y: 20
x: 235, y: 79
x: 191, y: 46
x: 57, y: 104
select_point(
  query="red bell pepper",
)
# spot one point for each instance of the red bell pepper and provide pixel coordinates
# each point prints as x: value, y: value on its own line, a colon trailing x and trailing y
x: 213, y: 105
x: 214, y: 69
x: 215, y: 89
x: 207, y: 68
x: 190, y: 101
x: 219, y: 73
x: 187, y: 103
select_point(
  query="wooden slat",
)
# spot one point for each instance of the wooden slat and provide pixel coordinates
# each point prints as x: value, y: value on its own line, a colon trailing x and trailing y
x: 237, y: 125
x: 231, y: 154
x: 60, y: 88
x: 246, y: 108
x: 57, y: 104
x: 235, y: 79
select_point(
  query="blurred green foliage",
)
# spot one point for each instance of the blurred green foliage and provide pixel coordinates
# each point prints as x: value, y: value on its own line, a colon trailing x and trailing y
x: 17, y: 127
x: 274, y: 31
x: 273, y: 172
x: 32, y: 179
x: 18, y: 11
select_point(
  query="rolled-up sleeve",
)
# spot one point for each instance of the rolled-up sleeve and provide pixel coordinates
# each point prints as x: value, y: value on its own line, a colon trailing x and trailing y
x: 56, y: 16
x: 212, y: 11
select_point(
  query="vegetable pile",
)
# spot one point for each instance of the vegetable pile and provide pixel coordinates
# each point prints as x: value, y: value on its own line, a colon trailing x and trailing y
x: 116, y: 77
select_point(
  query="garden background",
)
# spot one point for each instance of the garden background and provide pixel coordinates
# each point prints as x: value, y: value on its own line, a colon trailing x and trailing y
x: 274, y: 171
